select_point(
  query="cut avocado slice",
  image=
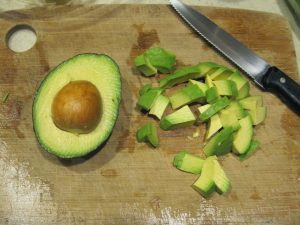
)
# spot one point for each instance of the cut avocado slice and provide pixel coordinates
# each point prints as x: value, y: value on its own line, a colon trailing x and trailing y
x: 181, y: 118
x: 243, y: 136
x: 254, y: 145
x: 229, y: 119
x: 214, y: 124
x: 143, y: 64
x: 242, y: 84
x: 209, y: 82
x: 212, y: 94
x: 104, y: 74
x: 258, y: 115
x: 221, y: 143
x: 236, y: 109
x: 147, y: 99
x: 148, y: 133
x: 214, y: 108
x: 251, y: 102
x: 203, y: 108
x: 159, y: 106
x: 189, y: 94
x: 205, y: 184
x: 201, y: 85
x: 161, y: 59
x: 180, y: 75
x: 221, y: 73
x: 188, y: 162
x: 226, y: 87
x: 212, y: 178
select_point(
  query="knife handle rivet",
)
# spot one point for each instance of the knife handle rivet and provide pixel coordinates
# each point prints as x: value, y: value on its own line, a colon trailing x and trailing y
x: 282, y: 80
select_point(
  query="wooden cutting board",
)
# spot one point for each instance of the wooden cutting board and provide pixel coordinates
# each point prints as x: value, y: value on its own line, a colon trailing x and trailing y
x: 127, y: 182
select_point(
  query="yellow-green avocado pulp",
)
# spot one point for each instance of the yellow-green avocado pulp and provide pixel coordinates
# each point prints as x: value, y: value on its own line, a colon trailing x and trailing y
x: 102, y: 72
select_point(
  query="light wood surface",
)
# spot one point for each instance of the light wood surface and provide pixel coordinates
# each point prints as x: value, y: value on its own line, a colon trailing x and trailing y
x: 127, y: 182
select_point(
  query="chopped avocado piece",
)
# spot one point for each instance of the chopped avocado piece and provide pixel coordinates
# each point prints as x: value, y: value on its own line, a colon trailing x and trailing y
x: 161, y: 59
x: 180, y: 75
x: 254, y: 145
x: 214, y: 108
x: 203, y: 108
x: 251, y: 102
x: 159, y: 106
x: 148, y: 133
x: 201, y: 85
x: 188, y: 162
x: 147, y: 99
x: 143, y: 64
x: 236, y: 109
x: 221, y: 180
x: 243, y: 136
x: 145, y: 88
x: 258, y: 115
x: 221, y: 73
x: 190, y: 93
x: 214, y: 124
x: 209, y: 82
x: 94, y: 70
x: 212, y: 178
x: 205, y: 184
x: 226, y: 87
x: 242, y: 84
x: 181, y: 118
x: 221, y: 143
x: 229, y: 119
x: 212, y: 94
x: 256, y: 109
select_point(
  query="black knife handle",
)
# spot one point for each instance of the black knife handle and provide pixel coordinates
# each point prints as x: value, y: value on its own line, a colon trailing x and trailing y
x: 284, y: 87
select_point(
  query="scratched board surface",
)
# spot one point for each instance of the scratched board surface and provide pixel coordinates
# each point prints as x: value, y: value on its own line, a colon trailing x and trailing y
x: 126, y: 182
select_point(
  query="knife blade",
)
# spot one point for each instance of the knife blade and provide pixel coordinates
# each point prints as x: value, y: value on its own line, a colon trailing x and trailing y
x: 266, y: 76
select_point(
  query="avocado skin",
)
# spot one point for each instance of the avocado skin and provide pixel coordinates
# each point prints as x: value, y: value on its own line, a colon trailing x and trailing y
x: 116, y: 101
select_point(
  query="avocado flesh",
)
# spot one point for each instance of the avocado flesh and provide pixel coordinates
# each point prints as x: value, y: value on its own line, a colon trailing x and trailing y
x: 226, y: 87
x: 221, y: 143
x: 243, y: 136
x: 143, y: 64
x: 148, y: 133
x: 251, y: 102
x: 101, y: 71
x: 147, y: 99
x: 254, y: 145
x: 214, y: 124
x: 221, y: 74
x: 188, y: 162
x: 159, y: 106
x: 145, y: 88
x: 189, y: 94
x: 161, y: 59
x: 181, y: 118
x: 235, y: 108
x: 212, y: 94
x: 258, y: 115
x: 243, y: 86
x: 229, y: 119
x: 214, y: 108
x: 201, y: 85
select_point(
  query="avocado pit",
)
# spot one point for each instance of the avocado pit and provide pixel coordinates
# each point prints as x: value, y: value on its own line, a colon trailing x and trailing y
x: 76, y: 107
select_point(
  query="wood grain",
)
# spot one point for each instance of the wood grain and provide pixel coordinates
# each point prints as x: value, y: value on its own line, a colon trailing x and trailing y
x: 127, y: 182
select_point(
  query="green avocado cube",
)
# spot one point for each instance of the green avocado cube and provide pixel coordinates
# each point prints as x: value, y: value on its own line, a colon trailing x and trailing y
x: 242, y: 84
x: 161, y: 59
x: 221, y: 143
x: 183, y: 117
x: 159, y: 106
x: 143, y: 64
x: 221, y: 73
x: 236, y: 109
x: 212, y: 94
x: 214, y: 108
x: 189, y: 94
x: 251, y: 102
x: 187, y: 162
x: 214, y: 125
x: 148, y: 133
x: 258, y: 115
x: 229, y: 119
x: 147, y: 99
x: 243, y: 136
x: 201, y: 85
x: 226, y: 87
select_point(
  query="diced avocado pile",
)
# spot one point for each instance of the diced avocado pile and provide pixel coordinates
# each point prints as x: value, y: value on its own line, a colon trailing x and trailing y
x: 222, y: 98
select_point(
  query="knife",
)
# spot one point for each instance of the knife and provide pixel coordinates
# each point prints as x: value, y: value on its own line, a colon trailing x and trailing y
x: 266, y: 76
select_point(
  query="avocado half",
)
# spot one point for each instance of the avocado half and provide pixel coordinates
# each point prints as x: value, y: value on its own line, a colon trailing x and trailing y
x: 101, y: 71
